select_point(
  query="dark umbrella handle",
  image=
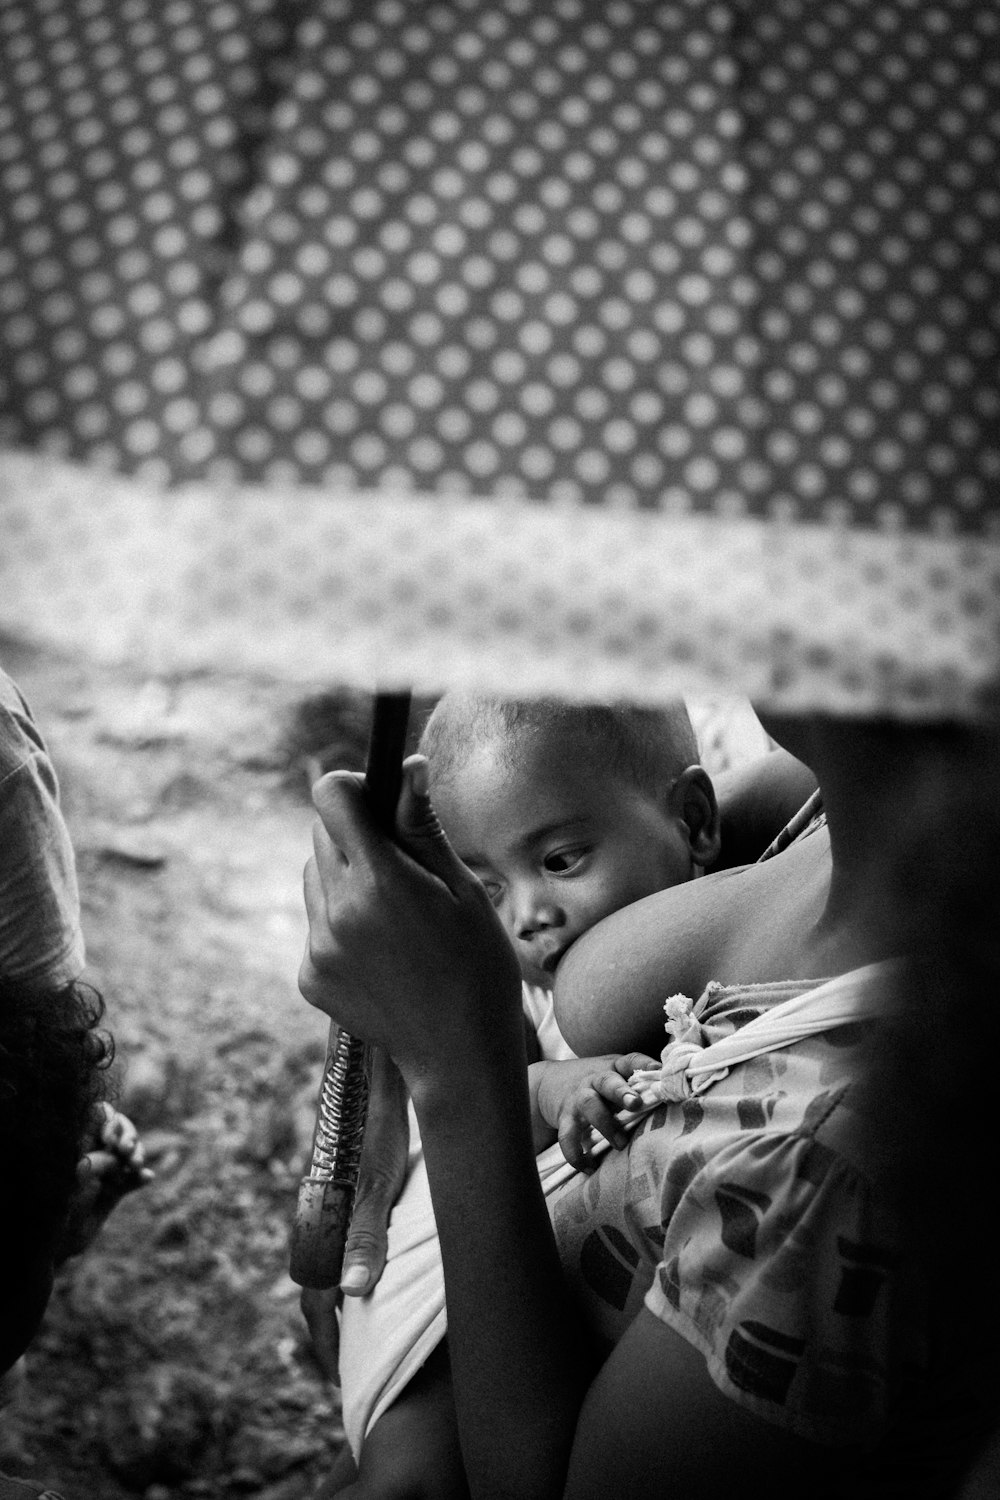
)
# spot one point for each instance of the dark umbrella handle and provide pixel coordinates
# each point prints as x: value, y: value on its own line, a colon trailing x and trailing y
x: 326, y: 1195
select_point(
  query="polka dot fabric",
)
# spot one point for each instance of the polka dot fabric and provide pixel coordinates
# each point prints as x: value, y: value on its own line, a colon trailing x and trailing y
x: 127, y: 139
x: 665, y: 258
x: 424, y: 591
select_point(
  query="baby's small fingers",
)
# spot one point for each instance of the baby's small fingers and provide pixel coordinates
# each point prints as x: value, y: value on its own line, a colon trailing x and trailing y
x: 96, y: 1166
x: 105, y: 1171
x: 121, y: 1137
x: 115, y: 1138
x: 84, y: 1170
x: 576, y: 1141
x: 593, y: 1111
x: 124, y: 1135
x: 133, y: 1157
x: 134, y: 1178
x: 634, y: 1062
x: 614, y: 1090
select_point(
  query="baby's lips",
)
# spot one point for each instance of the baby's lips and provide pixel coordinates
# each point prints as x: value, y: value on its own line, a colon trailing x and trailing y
x: 551, y: 961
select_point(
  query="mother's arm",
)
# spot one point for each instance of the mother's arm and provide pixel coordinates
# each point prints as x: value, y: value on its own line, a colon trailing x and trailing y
x: 756, y: 800
x: 537, y: 1418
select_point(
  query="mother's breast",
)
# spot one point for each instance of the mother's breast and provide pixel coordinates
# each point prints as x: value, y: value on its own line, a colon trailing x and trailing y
x: 748, y: 924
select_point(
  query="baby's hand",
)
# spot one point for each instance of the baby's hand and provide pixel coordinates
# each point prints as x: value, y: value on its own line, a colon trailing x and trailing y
x: 113, y: 1166
x: 120, y: 1139
x: 580, y: 1100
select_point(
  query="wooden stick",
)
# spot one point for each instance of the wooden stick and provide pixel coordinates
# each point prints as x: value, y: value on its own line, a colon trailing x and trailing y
x: 327, y: 1193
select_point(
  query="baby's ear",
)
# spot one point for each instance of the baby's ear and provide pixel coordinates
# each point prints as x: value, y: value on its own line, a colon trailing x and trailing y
x: 695, y: 803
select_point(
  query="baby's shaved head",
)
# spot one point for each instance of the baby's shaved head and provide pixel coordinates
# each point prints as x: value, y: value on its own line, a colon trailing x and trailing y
x: 648, y: 746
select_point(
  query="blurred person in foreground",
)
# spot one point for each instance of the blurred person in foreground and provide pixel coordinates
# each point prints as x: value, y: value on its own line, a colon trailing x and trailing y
x: 72, y: 1156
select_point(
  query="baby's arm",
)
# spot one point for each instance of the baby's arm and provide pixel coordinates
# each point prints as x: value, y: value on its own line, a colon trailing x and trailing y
x: 570, y: 1101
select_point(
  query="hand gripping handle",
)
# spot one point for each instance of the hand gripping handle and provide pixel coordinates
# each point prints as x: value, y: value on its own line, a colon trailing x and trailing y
x: 327, y: 1193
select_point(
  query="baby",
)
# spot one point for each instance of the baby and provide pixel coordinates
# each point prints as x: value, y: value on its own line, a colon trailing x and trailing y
x: 566, y: 814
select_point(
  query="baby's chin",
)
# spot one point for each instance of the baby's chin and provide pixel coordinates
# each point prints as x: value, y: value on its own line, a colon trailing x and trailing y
x: 537, y: 979
x: 543, y: 976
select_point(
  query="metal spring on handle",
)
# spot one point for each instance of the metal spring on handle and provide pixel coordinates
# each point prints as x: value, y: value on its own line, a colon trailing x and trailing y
x: 327, y: 1192
x: 343, y: 1104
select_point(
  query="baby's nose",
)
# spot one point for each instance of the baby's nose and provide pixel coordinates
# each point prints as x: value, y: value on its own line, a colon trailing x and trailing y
x: 536, y: 916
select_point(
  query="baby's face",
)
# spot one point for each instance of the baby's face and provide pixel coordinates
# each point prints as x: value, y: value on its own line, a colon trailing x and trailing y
x: 558, y: 840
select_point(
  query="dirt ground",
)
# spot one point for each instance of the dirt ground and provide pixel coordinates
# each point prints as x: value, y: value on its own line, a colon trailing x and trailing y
x: 173, y: 1360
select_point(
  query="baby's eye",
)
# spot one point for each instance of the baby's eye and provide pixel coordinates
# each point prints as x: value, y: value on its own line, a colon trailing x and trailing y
x: 561, y: 861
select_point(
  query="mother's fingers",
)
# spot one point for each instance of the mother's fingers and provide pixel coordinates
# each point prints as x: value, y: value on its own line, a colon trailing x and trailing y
x: 323, y: 879
x: 319, y: 1308
x: 419, y: 830
x: 380, y: 909
x: 319, y: 941
x: 329, y: 856
x: 315, y: 896
x: 346, y: 818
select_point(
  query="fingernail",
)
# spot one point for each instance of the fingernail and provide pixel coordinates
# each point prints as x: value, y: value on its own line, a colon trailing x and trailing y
x: 354, y: 1280
x: 419, y: 778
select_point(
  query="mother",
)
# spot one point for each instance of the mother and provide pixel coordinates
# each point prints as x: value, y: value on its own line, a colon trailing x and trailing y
x: 539, y: 1413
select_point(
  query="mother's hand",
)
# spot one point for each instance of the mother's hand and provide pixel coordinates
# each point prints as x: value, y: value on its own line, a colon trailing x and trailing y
x: 404, y: 947
x: 380, y: 1181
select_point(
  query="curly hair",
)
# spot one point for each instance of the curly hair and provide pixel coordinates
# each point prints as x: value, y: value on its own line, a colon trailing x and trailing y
x: 53, y: 1073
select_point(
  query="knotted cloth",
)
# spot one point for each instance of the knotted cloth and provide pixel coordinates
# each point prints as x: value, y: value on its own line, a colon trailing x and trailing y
x: 690, y: 1063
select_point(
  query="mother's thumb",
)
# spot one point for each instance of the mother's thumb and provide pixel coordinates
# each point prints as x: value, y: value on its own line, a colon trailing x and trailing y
x: 418, y: 829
